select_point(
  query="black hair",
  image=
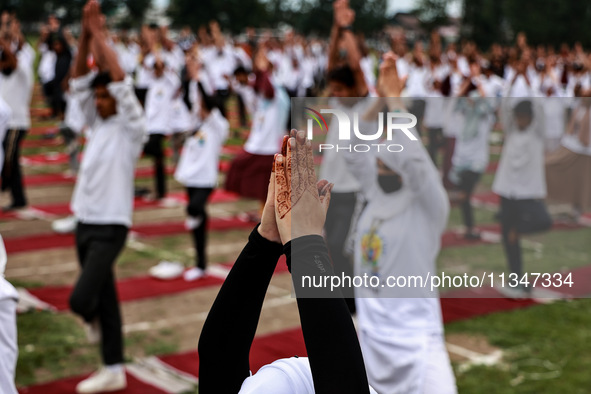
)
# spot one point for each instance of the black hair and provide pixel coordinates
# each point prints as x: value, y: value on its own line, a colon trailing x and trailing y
x: 240, y: 70
x: 523, y: 108
x: 342, y: 74
x: 102, y: 79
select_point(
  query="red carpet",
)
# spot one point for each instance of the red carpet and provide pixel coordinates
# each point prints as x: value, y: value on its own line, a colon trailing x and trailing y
x: 68, y: 385
x: 265, y: 350
x: 139, y: 287
x: 59, y: 179
x: 42, y: 130
x: 49, y: 158
x: 40, y: 112
x: 41, y: 143
x: 53, y: 241
x: 128, y: 289
x: 218, y: 196
x: 457, y: 308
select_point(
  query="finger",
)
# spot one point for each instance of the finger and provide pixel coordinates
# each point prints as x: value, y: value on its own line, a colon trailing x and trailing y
x: 299, y: 180
x: 289, y: 158
x: 320, y: 186
x: 284, y: 145
x: 282, y: 195
x: 327, y: 194
x: 311, y: 172
x: 271, y: 190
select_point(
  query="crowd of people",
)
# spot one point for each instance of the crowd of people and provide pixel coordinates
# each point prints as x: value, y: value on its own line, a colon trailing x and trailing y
x: 128, y: 94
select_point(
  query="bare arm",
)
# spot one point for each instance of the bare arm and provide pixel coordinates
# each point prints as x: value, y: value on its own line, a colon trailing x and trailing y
x: 105, y: 56
x: 80, y: 64
x: 354, y: 61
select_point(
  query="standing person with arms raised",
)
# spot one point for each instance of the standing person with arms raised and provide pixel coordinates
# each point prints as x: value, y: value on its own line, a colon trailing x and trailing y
x: 103, y: 196
x: 16, y: 88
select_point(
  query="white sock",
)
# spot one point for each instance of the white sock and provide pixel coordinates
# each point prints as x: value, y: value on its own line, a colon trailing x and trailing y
x: 115, y: 368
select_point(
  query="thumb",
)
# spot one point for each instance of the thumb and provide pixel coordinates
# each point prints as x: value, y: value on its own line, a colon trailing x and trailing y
x: 326, y: 195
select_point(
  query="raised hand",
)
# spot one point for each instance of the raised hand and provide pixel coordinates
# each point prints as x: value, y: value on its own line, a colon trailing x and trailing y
x: 297, y: 191
x: 95, y: 20
x: 389, y: 83
x: 343, y: 15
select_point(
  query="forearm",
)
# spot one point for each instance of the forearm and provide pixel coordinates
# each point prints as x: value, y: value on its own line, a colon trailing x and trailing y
x: 333, y: 49
x: 81, y: 65
x: 107, y: 58
x: 233, y: 318
x: 331, y: 341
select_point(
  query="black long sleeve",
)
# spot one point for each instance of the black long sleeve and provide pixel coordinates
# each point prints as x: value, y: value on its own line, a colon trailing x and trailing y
x: 230, y: 327
x: 331, y: 341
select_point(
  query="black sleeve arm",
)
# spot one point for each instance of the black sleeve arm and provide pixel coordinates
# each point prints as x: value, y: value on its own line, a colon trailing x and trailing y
x: 331, y: 340
x: 230, y: 327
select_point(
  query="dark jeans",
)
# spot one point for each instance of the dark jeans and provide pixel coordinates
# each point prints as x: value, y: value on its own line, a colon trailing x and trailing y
x: 468, y: 181
x: 154, y: 148
x: 338, y: 222
x: 510, y: 216
x: 11, y: 172
x: 196, y: 208
x: 95, y: 295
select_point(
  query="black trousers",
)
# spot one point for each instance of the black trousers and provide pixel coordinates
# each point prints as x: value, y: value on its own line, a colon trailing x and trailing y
x: 510, y: 216
x: 12, y: 177
x: 468, y: 181
x: 436, y: 142
x: 338, y: 222
x: 154, y: 148
x: 221, y: 99
x: 95, y: 295
x: 197, y: 199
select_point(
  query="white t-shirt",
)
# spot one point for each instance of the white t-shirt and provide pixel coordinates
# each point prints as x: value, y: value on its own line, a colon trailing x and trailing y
x: 268, y: 124
x: 220, y: 63
x: 104, y: 188
x: 334, y: 167
x: 521, y: 173
x: 17, y: 89
x: 159, y: 102
x: 46, y: 69
x: 284, y: 376
x: 572, y: 141
x: 74, y: 118
x: 198, y: 165
x: 472, y: 143
x: 415, y: 84
x: 5, y: 115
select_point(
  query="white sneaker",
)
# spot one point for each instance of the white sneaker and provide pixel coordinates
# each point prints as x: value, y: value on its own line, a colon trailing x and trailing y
x: 192, y: 222
x: 93, y: 332
x: 167, y: 270
x: 514, y: 293
x: 65, y: 225
x: 193, y: 274
x: 103, y: 380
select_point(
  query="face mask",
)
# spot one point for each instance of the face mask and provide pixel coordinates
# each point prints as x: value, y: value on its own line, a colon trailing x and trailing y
x: 390, y: 183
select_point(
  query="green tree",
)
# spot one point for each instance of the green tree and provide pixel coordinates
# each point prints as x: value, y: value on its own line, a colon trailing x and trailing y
x: 233, y: 15
x: 543, y: 21
x: 432, y: 13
